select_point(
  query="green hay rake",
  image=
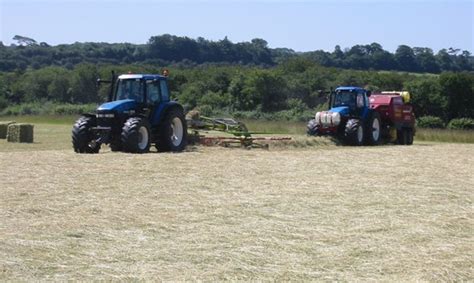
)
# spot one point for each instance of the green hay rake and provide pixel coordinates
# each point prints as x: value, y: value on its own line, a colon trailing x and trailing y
x: 238, y: 133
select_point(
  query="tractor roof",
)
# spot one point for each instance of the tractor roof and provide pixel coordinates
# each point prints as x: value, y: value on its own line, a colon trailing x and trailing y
x: 350, y: 88
x: 141, y: 76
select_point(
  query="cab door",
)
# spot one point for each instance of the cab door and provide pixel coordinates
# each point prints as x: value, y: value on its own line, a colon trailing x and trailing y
x: 153, y: 96
x: 362, y: 105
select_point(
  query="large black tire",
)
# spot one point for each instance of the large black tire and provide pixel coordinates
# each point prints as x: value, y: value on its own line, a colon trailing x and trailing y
x: 410, y: 136
x: 173, y: 132
x: 401, y: 136
x: 83, y: 139
x: 354, y: 132
x: 312, y: 128
x: 405, y: 136
x: 136, y: 135
x: 373, y: 129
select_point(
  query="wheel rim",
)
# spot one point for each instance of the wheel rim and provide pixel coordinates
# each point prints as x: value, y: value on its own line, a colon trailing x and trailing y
x: 360, y: 134
x: 176, y: 131
x: 142, y: 138
x: 376, y: 129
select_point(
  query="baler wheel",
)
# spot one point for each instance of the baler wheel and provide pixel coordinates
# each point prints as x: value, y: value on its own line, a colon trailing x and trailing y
x: 409, y: 136
x: 405, y: 136
x: 401, y: 136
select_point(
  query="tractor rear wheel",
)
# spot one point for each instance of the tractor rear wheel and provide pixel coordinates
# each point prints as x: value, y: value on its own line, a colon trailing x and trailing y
x: 373, y: 129
x: 83, y: 139
x: 354, y: 132
x: 136, y: 135
x: 173, y: 132
x: 312, y: 128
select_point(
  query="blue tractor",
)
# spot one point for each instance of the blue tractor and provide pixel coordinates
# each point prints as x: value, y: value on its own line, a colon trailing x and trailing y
x: 350, y: 118
x: 138, y: 113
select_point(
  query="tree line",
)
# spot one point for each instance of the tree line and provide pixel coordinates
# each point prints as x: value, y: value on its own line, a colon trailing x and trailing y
x: 184, y: 51
x: 292, y: 90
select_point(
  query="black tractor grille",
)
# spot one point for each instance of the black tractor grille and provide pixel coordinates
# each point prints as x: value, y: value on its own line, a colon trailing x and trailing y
x: 105, y: 119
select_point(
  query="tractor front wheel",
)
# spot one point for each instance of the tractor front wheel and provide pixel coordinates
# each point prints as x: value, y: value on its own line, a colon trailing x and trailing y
x: 136, y: 135
x: 83, y: 139
x: 173, y: 132
x: 312, y: 128
x: 354, y: 132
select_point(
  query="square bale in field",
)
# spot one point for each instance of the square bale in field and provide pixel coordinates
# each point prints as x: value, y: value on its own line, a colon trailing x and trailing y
x: 20, y: 133
x: 4, y: 128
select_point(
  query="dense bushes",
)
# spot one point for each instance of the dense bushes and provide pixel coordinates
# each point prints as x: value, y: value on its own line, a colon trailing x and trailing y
x: 437, y: 123
x: 430, y: 122
x: 48, y: 109
x: 293, y: 90
x: 461, y: 124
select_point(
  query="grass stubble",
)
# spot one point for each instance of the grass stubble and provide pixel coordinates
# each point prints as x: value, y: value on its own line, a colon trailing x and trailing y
x: 392, y: 213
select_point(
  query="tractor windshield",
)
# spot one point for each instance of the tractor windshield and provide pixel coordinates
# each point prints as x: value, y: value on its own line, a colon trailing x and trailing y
x: 130, y: 89
x: 344, y: 98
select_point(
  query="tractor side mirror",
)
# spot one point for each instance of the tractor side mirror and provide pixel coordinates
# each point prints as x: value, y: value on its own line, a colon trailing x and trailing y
x: 369, y: 93
x: 100, y: 81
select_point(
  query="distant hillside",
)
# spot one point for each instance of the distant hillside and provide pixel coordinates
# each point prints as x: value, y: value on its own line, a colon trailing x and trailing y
x: 183, y: 51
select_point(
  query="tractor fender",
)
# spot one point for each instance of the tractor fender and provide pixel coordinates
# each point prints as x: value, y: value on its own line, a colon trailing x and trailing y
x: 367, y: 114
x: 90, y: 115
x: 163, y: 109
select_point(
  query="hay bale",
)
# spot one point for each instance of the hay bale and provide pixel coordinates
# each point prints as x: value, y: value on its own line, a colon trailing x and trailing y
x: 20, y: 133
x: 4, y: 128
x: 193, y: 115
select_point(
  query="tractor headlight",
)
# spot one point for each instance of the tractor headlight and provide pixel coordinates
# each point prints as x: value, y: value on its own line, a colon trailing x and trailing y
x: 108, y: 115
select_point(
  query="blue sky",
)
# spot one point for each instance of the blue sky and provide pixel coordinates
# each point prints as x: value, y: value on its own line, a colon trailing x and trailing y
x: 299, y: 25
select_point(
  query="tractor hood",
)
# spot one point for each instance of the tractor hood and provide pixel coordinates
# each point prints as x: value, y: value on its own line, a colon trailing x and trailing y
x: 342, y: 110
x: 118, y: 106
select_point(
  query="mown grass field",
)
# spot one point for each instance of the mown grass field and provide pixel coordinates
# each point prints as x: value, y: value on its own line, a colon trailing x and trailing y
x: 322, y: 212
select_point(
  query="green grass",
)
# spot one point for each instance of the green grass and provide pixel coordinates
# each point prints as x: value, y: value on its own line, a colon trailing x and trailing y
x: 42, y: 119
x: 445, y: 135
x: 276, y: 127
x: 45, y: 137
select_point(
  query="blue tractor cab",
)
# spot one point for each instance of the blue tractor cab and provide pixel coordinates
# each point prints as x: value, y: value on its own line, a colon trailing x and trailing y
x: 350, y: 101
x: 138, y: 113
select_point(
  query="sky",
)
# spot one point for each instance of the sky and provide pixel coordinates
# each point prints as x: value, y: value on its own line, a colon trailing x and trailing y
x: 299, y: 25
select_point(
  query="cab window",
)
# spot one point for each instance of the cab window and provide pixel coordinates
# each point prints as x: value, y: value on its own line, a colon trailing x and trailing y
x: 153, y: 92
x: 360, y: 100
x: 130, y: 89
x: 164, y: 90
